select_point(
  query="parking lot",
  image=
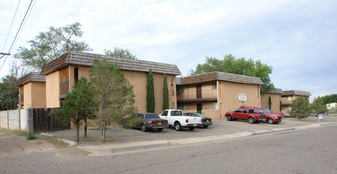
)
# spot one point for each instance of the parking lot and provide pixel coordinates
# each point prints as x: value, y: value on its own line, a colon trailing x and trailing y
x: 219, y: 127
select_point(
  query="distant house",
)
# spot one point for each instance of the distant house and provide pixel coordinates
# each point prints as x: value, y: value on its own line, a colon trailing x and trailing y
x: 62, y: 73
x: 215, y: 93
x: 331, y: 105
x: 289, y: 96
x: 275, y: 97
x: 32, y: 91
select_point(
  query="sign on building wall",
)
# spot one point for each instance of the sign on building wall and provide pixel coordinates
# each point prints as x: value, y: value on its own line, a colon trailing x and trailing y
x: 242, y: 97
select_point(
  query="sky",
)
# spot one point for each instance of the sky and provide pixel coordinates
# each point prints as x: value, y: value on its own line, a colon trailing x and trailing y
x: 298, y: 38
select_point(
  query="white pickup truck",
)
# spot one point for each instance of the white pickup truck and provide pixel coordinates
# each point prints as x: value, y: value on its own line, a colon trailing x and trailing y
x: 176, y: 118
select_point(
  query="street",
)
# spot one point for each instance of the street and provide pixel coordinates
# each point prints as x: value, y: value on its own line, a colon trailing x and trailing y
x: 305, y: 151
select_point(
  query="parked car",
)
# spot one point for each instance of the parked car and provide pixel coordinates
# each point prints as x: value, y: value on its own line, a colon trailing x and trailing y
x: 244, y: 114
x: 270, y: 117
x: 148, y: 121
x: 205, y: 121
x: 176, y: 118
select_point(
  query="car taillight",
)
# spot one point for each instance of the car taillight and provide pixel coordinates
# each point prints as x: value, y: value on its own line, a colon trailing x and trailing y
x: 152, y: 123
x: 165, y: 122
x: 202, y: 120
x: 186, y: 120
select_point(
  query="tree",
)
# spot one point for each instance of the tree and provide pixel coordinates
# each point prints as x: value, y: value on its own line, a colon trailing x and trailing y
x: 241, y: 66
x: 330, y: 99
x: 280, y: 106
x: 113, y: 94
x: 300, y: 108
x: 48, y: 45
x: 150, y: 101
x: 78, y: 105
x: 318, y: 106
x: 269, y: 103
x: 165, y: 93
x: 9, y: 91
x: 120, y: 53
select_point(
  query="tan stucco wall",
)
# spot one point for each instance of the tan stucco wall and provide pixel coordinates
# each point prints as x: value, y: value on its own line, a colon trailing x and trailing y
x: 27, y: 98
x: 39, y: 94
x: 275, y: 101
x: 83, y: 71
x: 53, y: 90
x: 228, y: 99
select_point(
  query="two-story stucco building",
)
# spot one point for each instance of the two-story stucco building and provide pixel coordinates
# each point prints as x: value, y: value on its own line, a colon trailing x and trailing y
x: 62, y: 73
x: 289, y: 96
x: 32, y: 91
x: 215, y: 93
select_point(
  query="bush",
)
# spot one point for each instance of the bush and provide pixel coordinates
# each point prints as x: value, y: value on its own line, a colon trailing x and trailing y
x: 31, y: 136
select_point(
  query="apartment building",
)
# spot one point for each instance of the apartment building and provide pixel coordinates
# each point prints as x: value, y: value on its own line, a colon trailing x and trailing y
x: 289, y: 96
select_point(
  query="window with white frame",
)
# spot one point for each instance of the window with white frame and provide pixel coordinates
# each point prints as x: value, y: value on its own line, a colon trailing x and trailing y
x: 215, y: 105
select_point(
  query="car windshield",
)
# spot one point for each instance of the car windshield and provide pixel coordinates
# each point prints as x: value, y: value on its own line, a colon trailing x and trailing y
x: 176, y: 113
x: 151, y: 116
x: 198, y: 115
x: 268, y: 111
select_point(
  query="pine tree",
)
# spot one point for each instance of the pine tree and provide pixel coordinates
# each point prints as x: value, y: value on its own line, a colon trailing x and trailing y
x: 150, y: 101
x: 270, y: 103
x: 165, y: 93
x: 300, y: 108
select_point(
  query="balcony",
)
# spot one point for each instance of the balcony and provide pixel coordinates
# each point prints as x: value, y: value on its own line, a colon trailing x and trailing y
x: 204, y: 95
x: 64, y: 88
x: 286, y: 102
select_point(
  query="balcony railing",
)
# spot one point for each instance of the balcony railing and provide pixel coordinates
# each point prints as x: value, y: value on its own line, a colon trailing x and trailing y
x: 205, y: 94
x: 64, y: 88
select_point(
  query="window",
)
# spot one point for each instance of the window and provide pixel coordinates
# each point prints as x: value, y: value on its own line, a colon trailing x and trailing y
x: 238, y: 111
x: 261, y: 112
x: 288, y: 98
x: 176, y: 113
x: 215, y: 105
x: 182, y: 106
x: 244, y: 111
x: 214, y: 86
x: 182, y: 89
x: 164, y: 113
x: 251, y: 111
x: 76, y: 74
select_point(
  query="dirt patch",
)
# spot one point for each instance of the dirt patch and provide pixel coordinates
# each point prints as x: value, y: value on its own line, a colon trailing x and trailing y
x: 20, y: 145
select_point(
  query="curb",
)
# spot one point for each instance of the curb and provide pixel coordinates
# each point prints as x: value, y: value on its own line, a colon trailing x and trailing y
x: 69, y: 142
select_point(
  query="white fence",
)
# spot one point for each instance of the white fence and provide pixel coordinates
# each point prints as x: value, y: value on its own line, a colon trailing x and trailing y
x: 21, y: 119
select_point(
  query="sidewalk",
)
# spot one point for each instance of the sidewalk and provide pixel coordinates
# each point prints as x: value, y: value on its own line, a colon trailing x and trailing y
x: 122, y: 140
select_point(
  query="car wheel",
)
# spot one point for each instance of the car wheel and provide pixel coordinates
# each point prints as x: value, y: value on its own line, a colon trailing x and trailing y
x: 270, y: 121
x: 205, y: 126
x: 159, y: 129
x: 251, y: 120
x: 191, y: 128
x: 144, y: 128
x: 177, y: 126
x: 229, y: 118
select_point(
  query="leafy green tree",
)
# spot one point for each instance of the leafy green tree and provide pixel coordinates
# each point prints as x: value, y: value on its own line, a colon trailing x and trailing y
x: 78, y: 105
x: 113, y: 94
x: 269, y: 101
x: 121, y: 53
x: 318, y: 106
x: 48, y: 45
x: 241, y: 66
x: 150, y: 101
x: 165, y: 93
x: 300, y: 108
x: 330, y: 99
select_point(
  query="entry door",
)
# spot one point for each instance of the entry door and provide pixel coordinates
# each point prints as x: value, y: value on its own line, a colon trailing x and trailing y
x: 199, y: 107
x: 199, y: 91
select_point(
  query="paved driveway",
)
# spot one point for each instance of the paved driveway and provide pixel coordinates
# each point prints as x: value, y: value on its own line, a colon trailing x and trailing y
x: 219, y: 127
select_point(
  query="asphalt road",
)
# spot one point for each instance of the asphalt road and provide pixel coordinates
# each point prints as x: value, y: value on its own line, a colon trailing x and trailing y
x: 304, y: 151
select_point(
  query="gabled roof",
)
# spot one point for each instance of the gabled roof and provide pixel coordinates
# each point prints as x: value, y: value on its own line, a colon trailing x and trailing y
x: 86, y: 59
x: 214, y: 76
x: 274, y: 91
x: 31, y: 77
x: 296, y: 92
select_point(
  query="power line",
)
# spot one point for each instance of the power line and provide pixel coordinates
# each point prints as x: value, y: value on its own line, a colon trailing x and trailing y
x: 17, y: 33
x: 10, y: 28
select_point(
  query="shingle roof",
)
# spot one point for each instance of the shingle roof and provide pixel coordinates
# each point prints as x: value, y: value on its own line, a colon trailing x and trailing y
x: 223, y: 76
x: 86, y: 59
x: 296, y: 92
x: 31, y: 77
x: 274, y: 91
